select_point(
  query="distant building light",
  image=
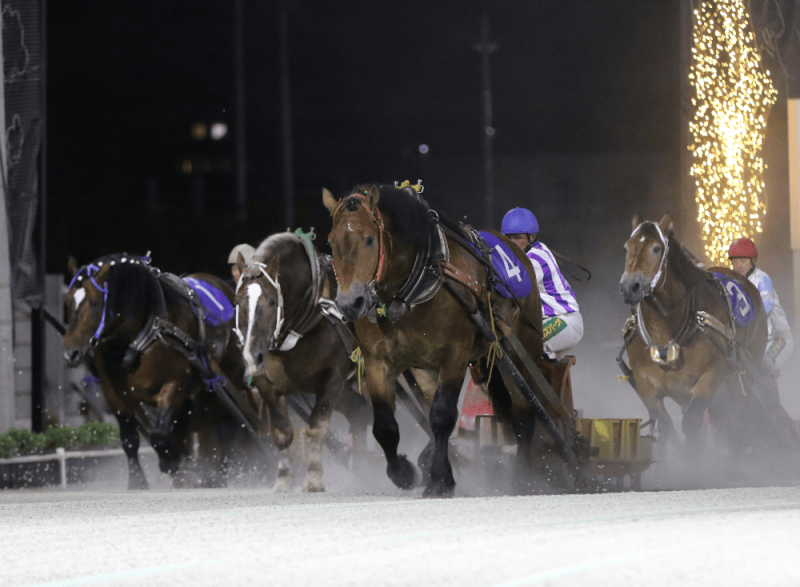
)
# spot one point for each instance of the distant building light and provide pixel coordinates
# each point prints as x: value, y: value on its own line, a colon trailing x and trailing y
x: 423, y: 148
x: 219, y: 130
x: 490, y: 131
x: 186, y: 166
x: 199, y: 131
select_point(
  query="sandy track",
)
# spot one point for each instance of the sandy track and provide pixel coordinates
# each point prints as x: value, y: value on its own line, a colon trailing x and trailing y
x: 253, y: 537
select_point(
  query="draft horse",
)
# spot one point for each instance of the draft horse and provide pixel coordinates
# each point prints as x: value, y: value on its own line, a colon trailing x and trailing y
x: 293, y: 339
x: 391, y: 256
x: 145, y: 333
x: 692, y: 331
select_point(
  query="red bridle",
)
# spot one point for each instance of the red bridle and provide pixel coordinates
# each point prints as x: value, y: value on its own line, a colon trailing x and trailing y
x: 376, y: 218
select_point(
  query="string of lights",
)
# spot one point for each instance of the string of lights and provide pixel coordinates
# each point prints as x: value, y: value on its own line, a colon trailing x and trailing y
x: 732, y: 96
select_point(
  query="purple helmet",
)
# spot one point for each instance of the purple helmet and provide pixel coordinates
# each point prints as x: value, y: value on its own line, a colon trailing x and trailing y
x: 519, y: 221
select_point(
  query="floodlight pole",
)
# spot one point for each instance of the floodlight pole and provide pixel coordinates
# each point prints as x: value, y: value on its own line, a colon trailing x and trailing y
x: 486, y: 48
x: 240, y: 144
x: 286, y: 116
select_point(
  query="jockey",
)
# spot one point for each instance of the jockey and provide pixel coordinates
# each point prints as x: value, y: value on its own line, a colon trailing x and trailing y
x: 247, y: 252
x: 563, y: 324
x: 743, y: 256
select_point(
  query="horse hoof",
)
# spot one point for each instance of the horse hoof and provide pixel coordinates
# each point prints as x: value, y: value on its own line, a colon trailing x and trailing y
x: 283, y: 485
x: 137, y: 484
x: 439, y: 488
x: 314, y: 488
x: 403, y: 473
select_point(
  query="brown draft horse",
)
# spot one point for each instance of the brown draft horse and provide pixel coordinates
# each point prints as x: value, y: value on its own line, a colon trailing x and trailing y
x: 290, y: 344
x: 684, y: 340
x: 111, y: 302
x: 376, y: 236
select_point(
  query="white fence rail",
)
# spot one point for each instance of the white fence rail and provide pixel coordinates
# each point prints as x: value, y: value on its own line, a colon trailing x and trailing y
x: 62, y: 455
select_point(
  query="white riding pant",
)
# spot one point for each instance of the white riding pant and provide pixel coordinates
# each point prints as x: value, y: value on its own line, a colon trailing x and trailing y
x: 562, y: 333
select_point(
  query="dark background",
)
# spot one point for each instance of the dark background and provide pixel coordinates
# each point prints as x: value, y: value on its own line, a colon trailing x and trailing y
x: 580, y: 86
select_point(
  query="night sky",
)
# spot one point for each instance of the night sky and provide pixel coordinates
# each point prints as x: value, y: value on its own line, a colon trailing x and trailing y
x: 371, y: 81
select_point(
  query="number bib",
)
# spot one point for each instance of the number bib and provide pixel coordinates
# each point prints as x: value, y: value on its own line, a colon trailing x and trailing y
x: 217, y: 309
x: 744, y: 311
x: 516, y: 284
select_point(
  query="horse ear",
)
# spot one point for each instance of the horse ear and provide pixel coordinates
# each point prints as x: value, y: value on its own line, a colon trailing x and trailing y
x: 330, y: 202
x: 241, y: 264
x: 637, y: 220
x: 72, y: 265
x: 373, y: 195
x: 666, y: 224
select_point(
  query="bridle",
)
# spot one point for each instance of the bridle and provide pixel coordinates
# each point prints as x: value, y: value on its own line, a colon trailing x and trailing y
x: 245, y: 341
x: 661, y: 273
x: 90, y: 270
x: 376, y: 218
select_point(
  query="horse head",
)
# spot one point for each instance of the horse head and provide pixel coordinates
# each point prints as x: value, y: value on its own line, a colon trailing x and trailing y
x: 101, y: 299
x: 357, y: 243
x: 259, y: 311
x: 645, y: 258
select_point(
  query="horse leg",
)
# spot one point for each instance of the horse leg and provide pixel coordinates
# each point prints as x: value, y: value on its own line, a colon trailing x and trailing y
x: 130, y: 444
x: 318, y: 427
x: 282, y: 433
x: 380, y: 384
x: 226, y: 433
x: 163, y: 419
x: 523, y: 428
x: 443, y: 418
x: 356, y: 410
x: 692, y: 426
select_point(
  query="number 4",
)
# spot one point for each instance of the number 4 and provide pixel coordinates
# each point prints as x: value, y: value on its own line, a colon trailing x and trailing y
x: 511, y: 269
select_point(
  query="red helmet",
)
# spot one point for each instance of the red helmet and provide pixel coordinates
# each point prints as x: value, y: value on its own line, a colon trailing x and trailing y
x: 743, y: 247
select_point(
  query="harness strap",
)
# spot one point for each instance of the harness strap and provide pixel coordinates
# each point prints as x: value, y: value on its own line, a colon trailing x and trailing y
x: 470, y: 282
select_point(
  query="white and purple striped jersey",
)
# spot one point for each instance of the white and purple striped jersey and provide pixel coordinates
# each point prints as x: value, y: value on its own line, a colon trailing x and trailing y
x: 556, y: 294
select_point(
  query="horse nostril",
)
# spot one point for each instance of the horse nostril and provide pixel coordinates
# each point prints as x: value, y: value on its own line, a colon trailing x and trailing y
x: 358, y: 303
x: 72, y: 356
x: 635, y: 287
x: 260, y: 358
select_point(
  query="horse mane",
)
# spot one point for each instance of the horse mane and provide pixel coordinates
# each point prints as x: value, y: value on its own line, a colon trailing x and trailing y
x: 274, y: 244
x: 129, y: 282
x: 411, y: 222
x: 684, y: 267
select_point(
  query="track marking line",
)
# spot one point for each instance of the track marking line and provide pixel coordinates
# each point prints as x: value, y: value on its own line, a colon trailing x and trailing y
x: 93, y: 579
x: 585, y: 567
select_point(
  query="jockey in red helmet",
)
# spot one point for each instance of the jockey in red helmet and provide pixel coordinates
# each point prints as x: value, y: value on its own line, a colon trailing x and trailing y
x: 743, y: 255
x: 563, y: 323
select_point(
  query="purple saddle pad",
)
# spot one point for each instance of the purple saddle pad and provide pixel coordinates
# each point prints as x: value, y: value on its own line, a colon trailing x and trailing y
x: 744, y: 311
x: 516, y: 284
x: 216, y: 306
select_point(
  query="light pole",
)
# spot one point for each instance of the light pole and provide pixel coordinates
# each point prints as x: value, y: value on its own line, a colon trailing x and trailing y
x: 286, y: 116
x: 486, y: 48
x: 240, y: 146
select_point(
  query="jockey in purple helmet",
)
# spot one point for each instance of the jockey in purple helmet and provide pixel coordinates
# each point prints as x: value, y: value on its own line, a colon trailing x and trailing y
x: 563, y: 324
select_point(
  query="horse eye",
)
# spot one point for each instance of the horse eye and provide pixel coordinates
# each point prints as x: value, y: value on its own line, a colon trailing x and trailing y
x: 370, y: 241
x: 656, y: 249
x: 272, y: 303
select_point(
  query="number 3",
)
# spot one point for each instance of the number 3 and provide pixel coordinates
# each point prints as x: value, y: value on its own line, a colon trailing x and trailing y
x: 733, y: 290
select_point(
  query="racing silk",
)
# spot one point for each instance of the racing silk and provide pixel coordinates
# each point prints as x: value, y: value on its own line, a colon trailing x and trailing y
x: 777, y: 321
x: 764, y: 284
x: 556, y: 294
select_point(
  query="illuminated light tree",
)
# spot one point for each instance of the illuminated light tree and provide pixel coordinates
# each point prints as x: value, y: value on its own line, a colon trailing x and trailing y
x: 732, y: 96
